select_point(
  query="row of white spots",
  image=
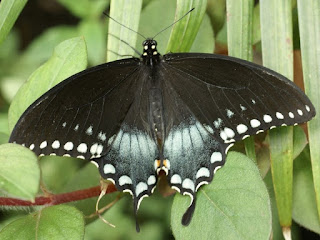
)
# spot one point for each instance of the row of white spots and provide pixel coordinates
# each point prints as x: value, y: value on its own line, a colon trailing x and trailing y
x: 96, y: 149
x: 227, y: 134
x: 202, y: 172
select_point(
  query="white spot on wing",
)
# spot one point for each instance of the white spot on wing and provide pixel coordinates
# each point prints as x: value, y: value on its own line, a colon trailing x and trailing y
x: 230, y: 133
x: 151, y: 180
x: 217, y: 123
x: 203, y: 172
x: 102, y: 136
x: 123, y: 180
x: 109, y: 168
x: 241, y: 128
x: 300, y: 112
x: 229, y: 113
x: 188, y: 184
x: 31, y: 147
x: 76, y: 127
x: 267, y: 118
x: 64, y: 124
x: 279, y: 115
x: 243, y: 108
x: 141, y: 187
x: 308, y: 108
x: 68, y: 146
x: 216, y: 157
x: 82, y: 148
x: 89, y: 131
x: 93, y: 149
x: 55, y: 144
x: 255, y: 123
x: 291, y: 115
x: 175, y: 179
x: 43, y: 144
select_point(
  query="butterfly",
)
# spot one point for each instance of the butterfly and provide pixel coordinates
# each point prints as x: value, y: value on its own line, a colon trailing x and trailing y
x: 178, y: 113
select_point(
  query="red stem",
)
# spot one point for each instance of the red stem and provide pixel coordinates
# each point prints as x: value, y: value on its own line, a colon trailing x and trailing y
x: 55, y: 199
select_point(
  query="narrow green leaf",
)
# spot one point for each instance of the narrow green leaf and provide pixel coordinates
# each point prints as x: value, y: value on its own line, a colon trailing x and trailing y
x: 129, y: 17
x: 277, y: 50
x: 68, y: 58
x: 309, y: 22
x: 304, y: 200
x: 239, y: 27
x: 85, y: 8
x: 234, y: 206
x: 56, y: 222
x: 185, y: 31
x: 9, y: 12
x: 19, y: 171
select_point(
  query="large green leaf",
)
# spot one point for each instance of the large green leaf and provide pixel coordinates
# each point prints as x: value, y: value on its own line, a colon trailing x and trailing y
x: 19, y: 172
x: 56, y: 222
x: 234, y: 206
x: 68, y: 58
x: 9, y: 12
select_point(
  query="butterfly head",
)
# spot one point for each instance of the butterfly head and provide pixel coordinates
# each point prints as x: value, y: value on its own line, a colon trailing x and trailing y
x: 150, y: 53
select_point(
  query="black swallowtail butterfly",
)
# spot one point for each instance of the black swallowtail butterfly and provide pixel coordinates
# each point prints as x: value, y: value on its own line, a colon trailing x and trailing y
x: 179, y: 113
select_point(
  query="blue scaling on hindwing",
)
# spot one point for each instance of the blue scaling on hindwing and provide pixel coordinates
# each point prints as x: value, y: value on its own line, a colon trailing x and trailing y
x: 194, y: 156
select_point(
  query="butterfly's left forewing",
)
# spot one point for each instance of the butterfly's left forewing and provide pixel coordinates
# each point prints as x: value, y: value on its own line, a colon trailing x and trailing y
x: 78, y: 117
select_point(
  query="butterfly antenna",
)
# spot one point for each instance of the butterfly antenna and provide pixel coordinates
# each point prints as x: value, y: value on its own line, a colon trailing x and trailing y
x: 123, y: 25
x: 135, y: 50
x: 173, y: 23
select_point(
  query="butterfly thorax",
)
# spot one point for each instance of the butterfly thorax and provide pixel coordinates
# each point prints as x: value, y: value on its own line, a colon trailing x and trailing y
x: 150, y: 54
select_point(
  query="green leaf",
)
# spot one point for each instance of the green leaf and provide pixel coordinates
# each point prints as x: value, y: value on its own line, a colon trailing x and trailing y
x: 129, y: 17
x: 9, y: 12
x: 57, y: 171
x: 309, y: 22
x: 3, y: 138
x: 85, y: 8
x: 185, y: 31
x: 216, y: 10
x: 234, y: 206
x: 40, y: 49
x: 95, y: 34
x: 125, y: 224
x: 304, y: 199
x: 277, y: 50
x: 19, y: 171
x: 239, y: 27
x: 56, y: 222
x: 68, y: 58
x: 152, y: 22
